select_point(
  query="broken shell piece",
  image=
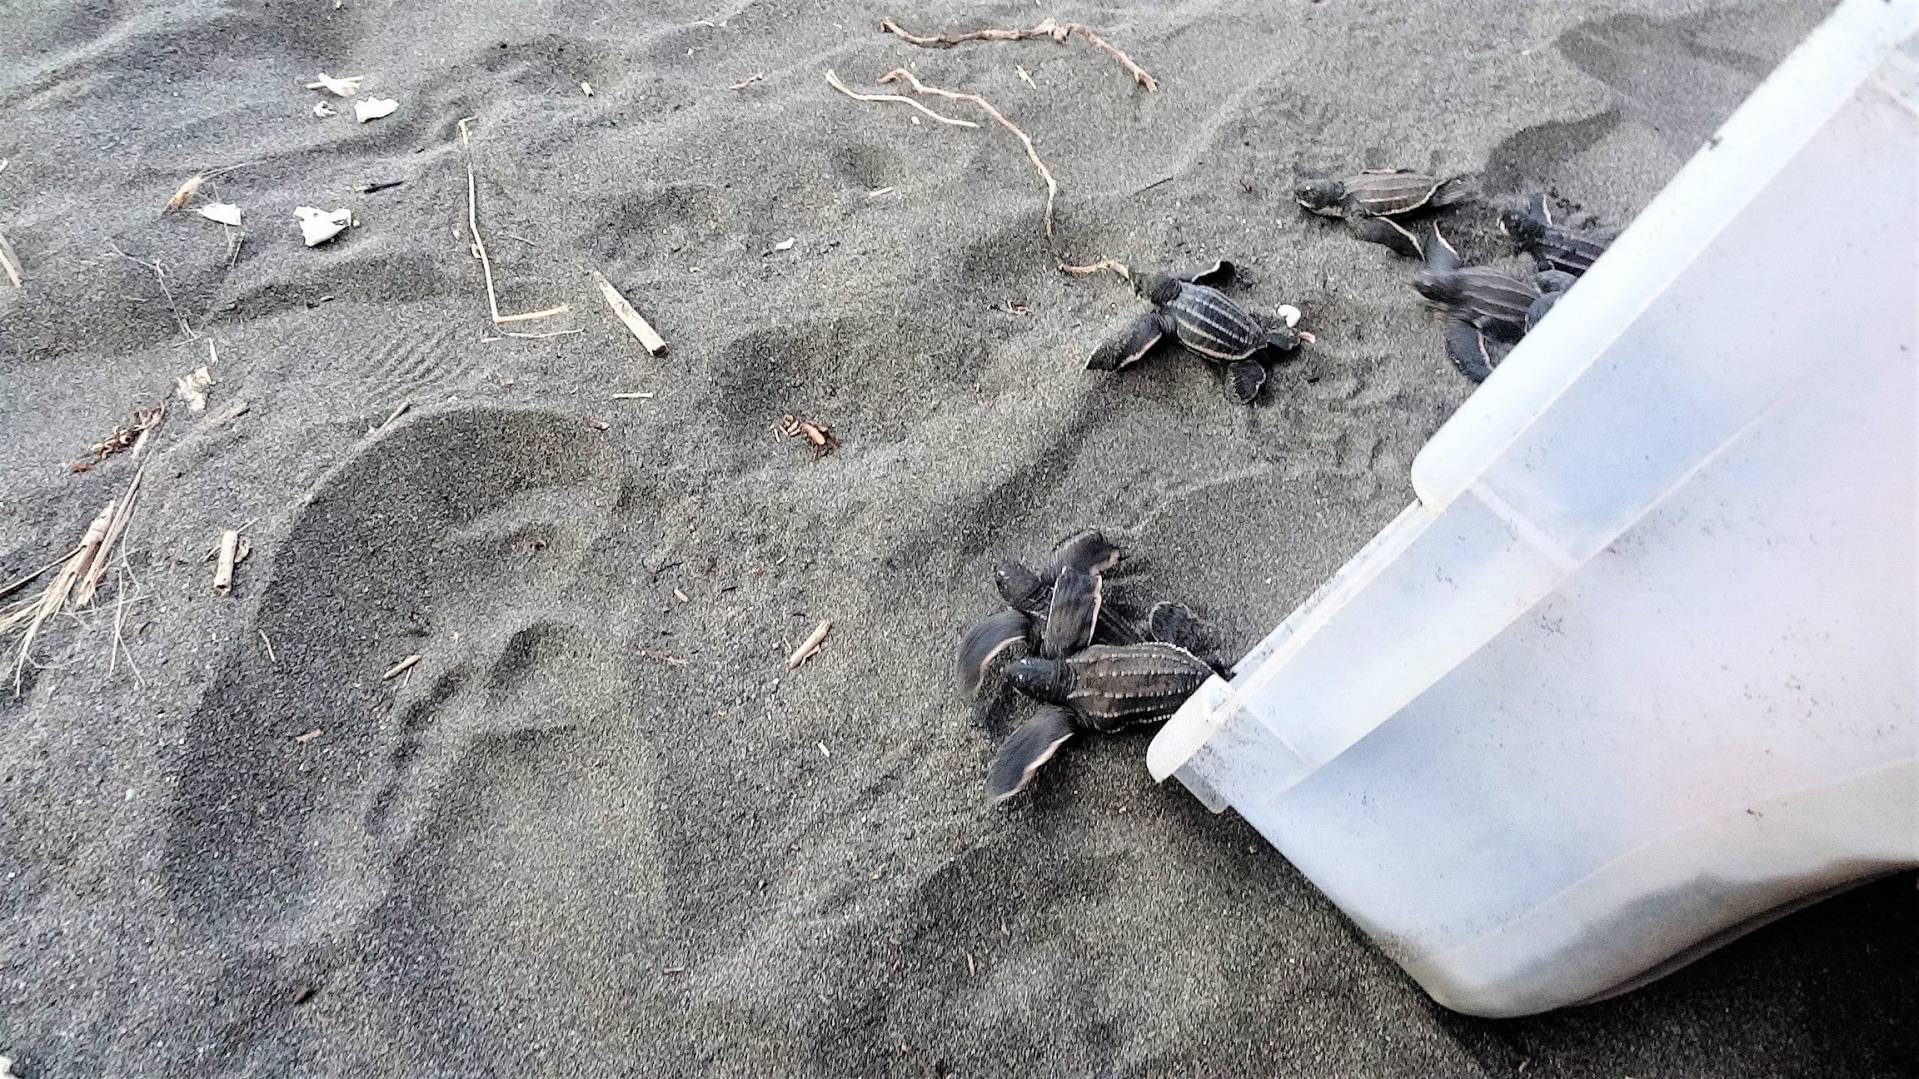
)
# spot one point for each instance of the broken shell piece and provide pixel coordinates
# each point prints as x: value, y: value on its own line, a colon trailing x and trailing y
x: 339, y: 87
x: 225, y: 213
x: 1290, y: 314
x: 586, y: 88
x: 323, y: 110
x: 319, y: 226
x: 372, y: 108
x: 193, y: 387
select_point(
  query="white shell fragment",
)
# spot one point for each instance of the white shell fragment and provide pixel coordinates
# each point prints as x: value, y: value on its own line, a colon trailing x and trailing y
x: 319, y: 226
x: 1290, y: 314
x: 323, y: 110
x: 586, y: 88
x: 786, y: 244
x: 193, y: 388
x: 225, y: 213
x: 338, y: 87
x: 372, y: 108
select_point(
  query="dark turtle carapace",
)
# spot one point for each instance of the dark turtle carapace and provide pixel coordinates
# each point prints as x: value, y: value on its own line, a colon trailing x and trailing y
x: 1102, y: 688
x: 1029, y: 597
x: 1205, y: 322
x: 1553, y: 246
x: 1480, y: 303
x: 1371, y: 200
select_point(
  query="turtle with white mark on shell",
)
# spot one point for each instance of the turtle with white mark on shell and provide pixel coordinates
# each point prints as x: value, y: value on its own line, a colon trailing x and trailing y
x: 1208, y: 324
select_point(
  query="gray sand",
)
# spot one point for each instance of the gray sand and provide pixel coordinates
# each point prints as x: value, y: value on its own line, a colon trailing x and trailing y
x: 552, y: 847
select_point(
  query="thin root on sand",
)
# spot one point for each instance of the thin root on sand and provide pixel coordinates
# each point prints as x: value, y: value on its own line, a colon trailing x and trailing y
x: 1058, y: 31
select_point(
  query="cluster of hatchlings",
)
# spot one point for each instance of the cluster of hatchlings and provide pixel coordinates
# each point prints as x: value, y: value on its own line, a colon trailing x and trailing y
x: 1090, y: 666
x: 1486, y: 309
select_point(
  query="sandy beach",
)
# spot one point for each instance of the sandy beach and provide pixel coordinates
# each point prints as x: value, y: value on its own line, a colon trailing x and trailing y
x: 599, y: 827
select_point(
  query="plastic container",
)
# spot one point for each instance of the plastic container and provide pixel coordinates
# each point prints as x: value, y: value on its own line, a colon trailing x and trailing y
x: 1637, y: 671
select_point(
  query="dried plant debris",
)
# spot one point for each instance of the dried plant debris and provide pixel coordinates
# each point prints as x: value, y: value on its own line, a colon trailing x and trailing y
x: 193, y: 387
x: 323, y: 110
x: 229, y: 555
x: 225, y: 213
x: 346, y: 87
x: 319, y: 226
x: 833, y: 80
x: 1047, y: 28
x: 372, y: 108
x: 817, y: 435
x: 122, y: 438
x: 10, y: 262
x: 642, y: 331
x: 810, y: 646
x: 185, y: 191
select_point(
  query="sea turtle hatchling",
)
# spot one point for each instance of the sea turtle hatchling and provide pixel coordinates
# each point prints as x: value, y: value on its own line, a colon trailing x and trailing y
x: 1029, y: 598
x: 1100, y: 688
x: 1552, y: 284
x: 1479, y: 302
x: 1207, y: 323
x: 1554, y: 247
x: 1369, y: 201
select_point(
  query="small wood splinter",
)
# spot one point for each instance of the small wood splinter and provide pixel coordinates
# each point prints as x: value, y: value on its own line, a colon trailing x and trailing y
x: 810, y: 646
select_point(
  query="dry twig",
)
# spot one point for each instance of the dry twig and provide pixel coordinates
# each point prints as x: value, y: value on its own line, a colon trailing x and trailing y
x: 479, y: 245
x: 223, y: 570
x: 400, y: 668
x: 834, y: 81
x: 810, y: 645
x: 10, y: 262
x: 1052, y: 187
x: 641, y: 330
x: 748, y: 81
x: 1058, y: 31
x: 1114, y: 265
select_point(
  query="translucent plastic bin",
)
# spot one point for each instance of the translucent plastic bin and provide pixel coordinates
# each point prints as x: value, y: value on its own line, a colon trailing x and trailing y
x: 1637, y: 671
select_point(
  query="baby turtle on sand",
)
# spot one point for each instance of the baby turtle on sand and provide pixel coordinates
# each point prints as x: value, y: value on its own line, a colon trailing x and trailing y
x: 1554, y: 247
x: 1479, y: 301
x: 1202, y: 319
x: 1552, y: 284
x: 1369, y: 202
x: 1101, y: 688
x: 1029, y: 597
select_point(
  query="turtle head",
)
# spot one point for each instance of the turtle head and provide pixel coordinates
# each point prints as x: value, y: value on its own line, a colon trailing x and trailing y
x: 1018, y: 585
x: 1521, y: 224
x: 1040, y: 679
x: 1436, y: 287
x: 1159, y: 289
x: 1319, y: 195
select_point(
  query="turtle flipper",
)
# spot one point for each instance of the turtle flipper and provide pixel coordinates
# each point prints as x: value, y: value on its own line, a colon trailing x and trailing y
x: 1244, y: 380
x: 1466, y: 347
x: 1388, y: 234
x: 1129, y: 345
x: 1440, y: 255
x: 1219, y: 273
x: 1088, y: 551
x: 1175, y: 623
x: 1031, y: 745
x: 987, y: 640
x: 1536, y: 205
x: 1540, y: 307
x: 1074, y: 614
